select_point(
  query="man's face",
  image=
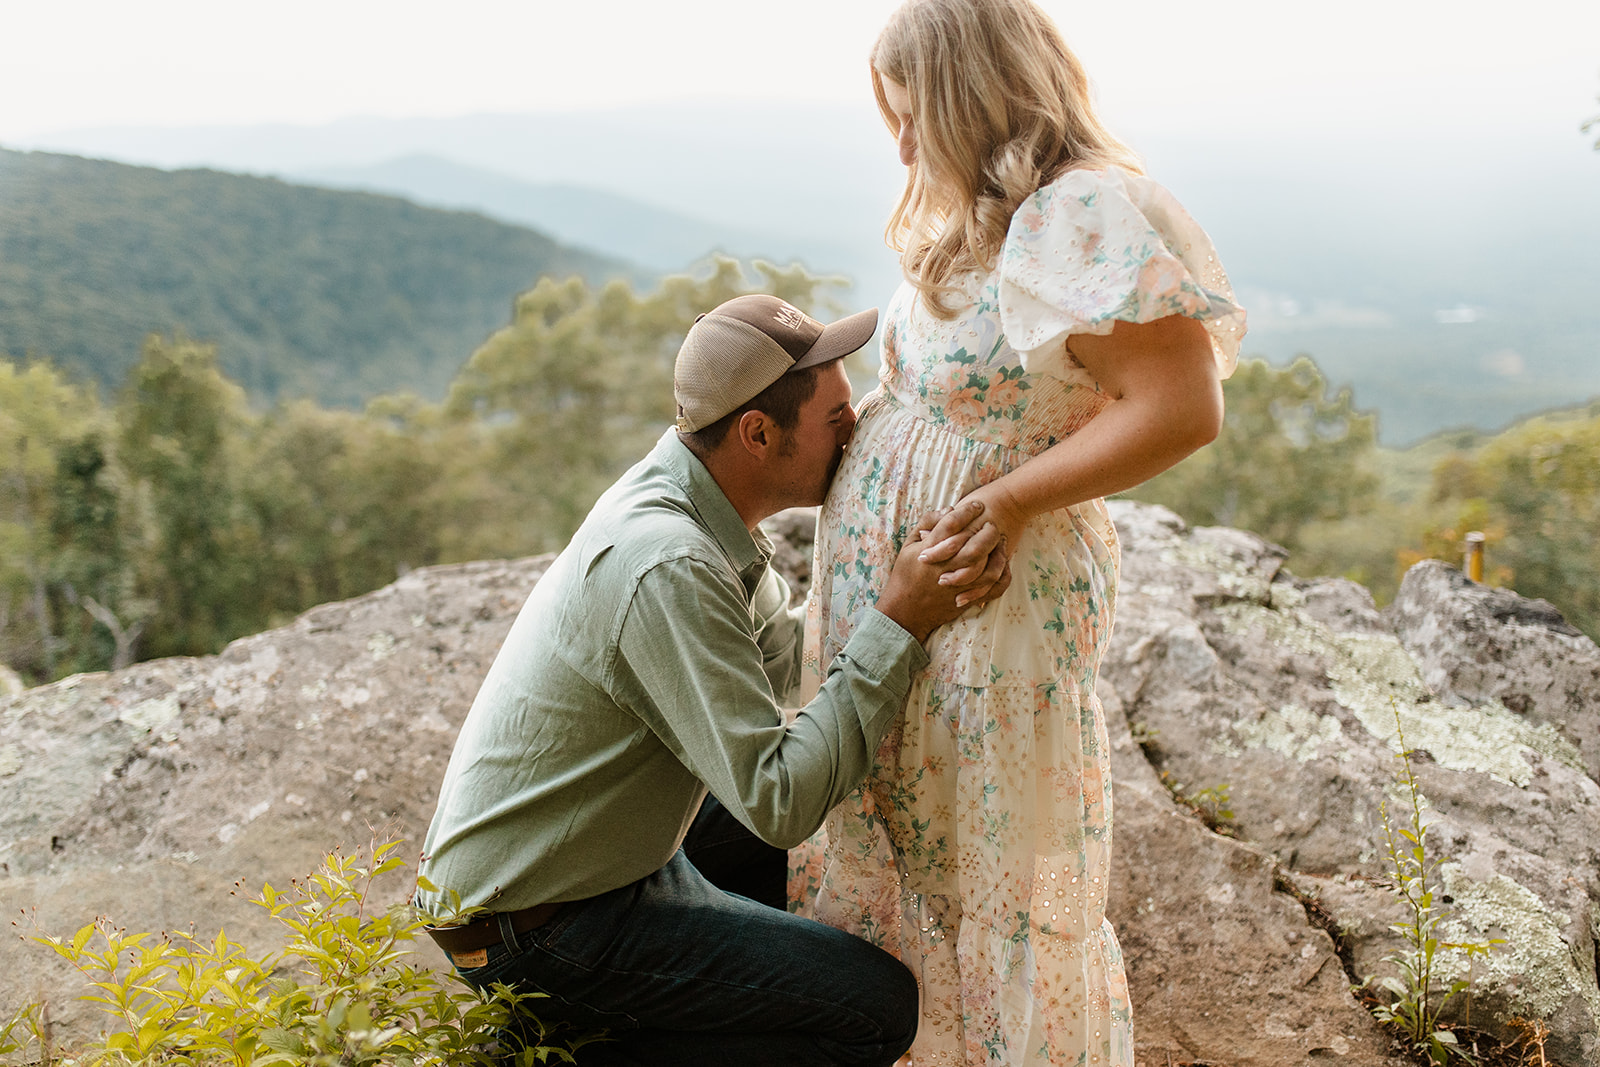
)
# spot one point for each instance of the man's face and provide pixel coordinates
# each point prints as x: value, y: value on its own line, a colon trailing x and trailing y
x: 812, y: 449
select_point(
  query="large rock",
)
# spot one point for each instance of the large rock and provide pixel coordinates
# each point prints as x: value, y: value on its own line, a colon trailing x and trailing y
x: 1478, y: 645
x: 147, y: 793
x: 1292, y: 694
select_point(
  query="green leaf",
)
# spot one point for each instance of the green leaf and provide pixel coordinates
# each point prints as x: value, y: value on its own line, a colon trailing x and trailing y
x: 285, y: 1041
x: 81, y: 938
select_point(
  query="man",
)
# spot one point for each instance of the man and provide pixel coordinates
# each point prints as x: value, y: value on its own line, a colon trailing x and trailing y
x: 649, y: 665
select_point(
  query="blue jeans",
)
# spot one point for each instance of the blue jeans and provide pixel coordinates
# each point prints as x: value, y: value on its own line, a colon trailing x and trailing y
x: 681, y: 972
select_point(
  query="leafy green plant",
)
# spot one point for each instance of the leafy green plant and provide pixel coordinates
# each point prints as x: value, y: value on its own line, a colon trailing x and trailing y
x: 338, y: 993
x: 25, y: 1029
x: 1414, y: 1011
x: 1209, y: 804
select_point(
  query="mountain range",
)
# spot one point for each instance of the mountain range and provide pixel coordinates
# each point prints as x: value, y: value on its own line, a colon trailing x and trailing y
x: 1446, y: 283
x: 308, y: 292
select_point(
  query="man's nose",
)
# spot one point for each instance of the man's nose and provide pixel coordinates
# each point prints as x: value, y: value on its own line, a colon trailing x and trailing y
x: 847, y: 426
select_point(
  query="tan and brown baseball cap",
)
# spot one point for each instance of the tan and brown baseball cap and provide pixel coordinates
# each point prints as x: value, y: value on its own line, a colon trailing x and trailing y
x: 740, y: 347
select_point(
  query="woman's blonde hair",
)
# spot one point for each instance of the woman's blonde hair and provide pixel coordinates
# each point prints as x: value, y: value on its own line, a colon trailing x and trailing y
x: 1000, y: 107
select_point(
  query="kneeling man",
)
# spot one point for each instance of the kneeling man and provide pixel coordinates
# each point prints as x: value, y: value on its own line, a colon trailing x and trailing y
x: 649, y: 666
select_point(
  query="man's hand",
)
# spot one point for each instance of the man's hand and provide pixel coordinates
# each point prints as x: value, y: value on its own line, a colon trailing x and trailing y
x: 918, y: 595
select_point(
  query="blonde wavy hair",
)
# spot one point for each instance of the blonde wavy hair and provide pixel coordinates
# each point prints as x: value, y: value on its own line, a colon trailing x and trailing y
x: 1001, y: 107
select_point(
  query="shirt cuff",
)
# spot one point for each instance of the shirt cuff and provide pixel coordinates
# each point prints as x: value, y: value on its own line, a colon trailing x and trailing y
x: 885, y: 649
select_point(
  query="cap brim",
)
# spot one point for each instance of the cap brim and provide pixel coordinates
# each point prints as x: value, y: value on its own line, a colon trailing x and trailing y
x: 839, y: 339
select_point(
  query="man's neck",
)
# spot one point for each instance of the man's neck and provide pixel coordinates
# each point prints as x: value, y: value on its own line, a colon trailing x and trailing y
x: 739, y: 477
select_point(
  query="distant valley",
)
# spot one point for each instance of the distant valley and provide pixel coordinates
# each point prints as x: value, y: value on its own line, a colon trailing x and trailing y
x: 1445, y: 289
x: 612, y: 224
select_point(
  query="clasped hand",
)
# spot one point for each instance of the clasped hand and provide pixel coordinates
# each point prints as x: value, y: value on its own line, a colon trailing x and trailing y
x: 972, y: 568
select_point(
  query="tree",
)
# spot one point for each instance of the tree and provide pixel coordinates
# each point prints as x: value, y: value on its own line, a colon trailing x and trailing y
x: 344, y: 503
x: 552, y: 408
x: 1288, y: 455
x: 180, y: 520
x: 1537, y: 488
x: 90, y: 567
x: 179, y: 427
x: 39, y: 415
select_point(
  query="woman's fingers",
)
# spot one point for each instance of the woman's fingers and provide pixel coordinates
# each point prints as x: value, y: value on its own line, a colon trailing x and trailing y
x: 972, y: 557
x: 950, y: 532
x: 992, y: 583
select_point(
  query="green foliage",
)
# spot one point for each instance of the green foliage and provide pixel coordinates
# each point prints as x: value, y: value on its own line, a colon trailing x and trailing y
x: 177, y: 440
x: 308, y: 292
x: 180, y: 519
x: 1301, y: 468
x: 552, y: 408
x: 59, y: 527
x: 1210, y: 804
x: 342, y: 502
x: 339, y: 992
x: 1534, y: 491
x: 1543, y: 480
x: 1417, y: 1001
x: 1288, y: 455
x: 26, y: 1028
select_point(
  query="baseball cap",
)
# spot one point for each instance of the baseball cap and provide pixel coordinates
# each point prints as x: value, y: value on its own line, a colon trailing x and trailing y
x: 743, y: 345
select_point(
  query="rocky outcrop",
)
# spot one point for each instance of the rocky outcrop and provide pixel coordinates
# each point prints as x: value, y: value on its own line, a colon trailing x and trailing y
x: 147, y: 793
x: 1477, y: 645
x: 1293, y: 694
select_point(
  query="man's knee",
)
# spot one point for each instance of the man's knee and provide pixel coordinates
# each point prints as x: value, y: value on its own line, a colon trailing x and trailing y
x: 884, y: 991
x: 906, y: 1005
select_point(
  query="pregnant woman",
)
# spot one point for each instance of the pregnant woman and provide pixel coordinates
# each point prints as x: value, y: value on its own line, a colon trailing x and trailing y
x: 1061, y: 335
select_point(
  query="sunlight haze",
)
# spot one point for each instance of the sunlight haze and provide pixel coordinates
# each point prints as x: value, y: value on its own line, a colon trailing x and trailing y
x: 184, y: 62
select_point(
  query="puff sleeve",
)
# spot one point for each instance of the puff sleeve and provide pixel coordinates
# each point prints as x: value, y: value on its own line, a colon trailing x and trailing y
x: 1095, y: 248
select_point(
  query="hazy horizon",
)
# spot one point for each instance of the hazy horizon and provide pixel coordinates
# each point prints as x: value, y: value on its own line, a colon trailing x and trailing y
x: 1391, y: 186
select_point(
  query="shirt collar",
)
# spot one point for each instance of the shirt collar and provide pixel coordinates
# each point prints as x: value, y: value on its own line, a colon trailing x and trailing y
x: 747, y: 552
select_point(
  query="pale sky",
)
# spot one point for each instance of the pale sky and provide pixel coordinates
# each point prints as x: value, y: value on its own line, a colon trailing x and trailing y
x: 1351, y: 64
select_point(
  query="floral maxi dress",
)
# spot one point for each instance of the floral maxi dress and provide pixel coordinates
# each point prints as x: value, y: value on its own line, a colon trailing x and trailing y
x: 977, y: 849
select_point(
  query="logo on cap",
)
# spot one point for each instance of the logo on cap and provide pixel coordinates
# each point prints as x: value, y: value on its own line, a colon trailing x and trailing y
x: 790, y: 316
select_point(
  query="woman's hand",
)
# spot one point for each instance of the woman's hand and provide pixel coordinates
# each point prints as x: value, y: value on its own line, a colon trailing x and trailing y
x: 916, y: 596
x: 953, y: 541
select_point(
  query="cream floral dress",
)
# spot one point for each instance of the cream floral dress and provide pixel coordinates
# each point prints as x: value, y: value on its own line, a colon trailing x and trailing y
x: 977, y: 850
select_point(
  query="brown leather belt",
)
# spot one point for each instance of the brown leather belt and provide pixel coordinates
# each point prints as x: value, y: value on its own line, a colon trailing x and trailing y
x: 481, y: 933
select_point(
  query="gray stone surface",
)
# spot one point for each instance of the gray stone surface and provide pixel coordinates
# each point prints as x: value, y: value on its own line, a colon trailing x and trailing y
x: 1291, y: 693
x: 1479, y: 645
x: 148, y: 793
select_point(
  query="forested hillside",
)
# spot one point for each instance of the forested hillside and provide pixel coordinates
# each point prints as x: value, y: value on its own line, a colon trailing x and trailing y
x: 176, y: 518
x: 337, y: 296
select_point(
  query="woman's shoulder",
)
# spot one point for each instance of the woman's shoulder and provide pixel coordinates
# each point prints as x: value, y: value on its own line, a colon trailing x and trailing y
x: 1097, y: 246
x: 1085, y: 187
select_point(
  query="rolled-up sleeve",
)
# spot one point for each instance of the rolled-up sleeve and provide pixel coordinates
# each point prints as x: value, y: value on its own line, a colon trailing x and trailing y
x: 689, y: 663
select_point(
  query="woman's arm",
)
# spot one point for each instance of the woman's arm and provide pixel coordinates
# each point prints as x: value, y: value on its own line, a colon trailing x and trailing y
x: 1166, y: 401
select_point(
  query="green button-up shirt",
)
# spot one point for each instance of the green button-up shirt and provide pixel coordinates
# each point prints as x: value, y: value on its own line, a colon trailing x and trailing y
x: 647, y: 665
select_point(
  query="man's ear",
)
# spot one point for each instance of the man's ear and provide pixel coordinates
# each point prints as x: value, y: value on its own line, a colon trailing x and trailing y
x: 758, y: 434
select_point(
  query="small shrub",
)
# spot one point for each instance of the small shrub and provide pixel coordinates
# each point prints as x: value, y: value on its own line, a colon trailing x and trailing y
x: 1414, y: 1011
x: 1209, y: 804
x: 338, y: 993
